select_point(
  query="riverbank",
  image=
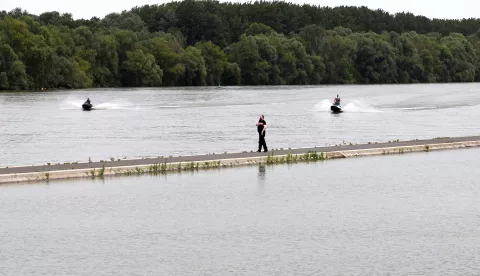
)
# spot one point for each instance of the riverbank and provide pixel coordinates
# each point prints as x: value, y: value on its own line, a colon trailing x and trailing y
x: 197, y: 162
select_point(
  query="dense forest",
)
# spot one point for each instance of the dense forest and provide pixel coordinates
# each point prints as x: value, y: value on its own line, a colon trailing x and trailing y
x: 211, y: 43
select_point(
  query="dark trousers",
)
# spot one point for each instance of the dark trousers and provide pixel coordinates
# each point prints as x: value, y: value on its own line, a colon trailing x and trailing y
x: 261, y: 142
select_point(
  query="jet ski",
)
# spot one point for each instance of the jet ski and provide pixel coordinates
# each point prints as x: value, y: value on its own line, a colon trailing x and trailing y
x: 336, y: 108
x: 87, y: 106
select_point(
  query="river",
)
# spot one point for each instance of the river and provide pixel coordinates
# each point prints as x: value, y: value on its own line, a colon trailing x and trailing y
x: 41, y: 127
x: 415, y: 214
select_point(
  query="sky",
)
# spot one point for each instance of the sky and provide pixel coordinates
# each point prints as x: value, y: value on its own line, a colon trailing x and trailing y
x: 88, y: 8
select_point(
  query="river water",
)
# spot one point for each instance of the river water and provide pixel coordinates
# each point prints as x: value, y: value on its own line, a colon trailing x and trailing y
x: 415, y: 214
x: 41, y: 127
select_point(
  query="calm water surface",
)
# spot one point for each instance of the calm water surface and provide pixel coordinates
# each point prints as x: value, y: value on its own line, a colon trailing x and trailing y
x: 416, y: 214
x: 51, y: 127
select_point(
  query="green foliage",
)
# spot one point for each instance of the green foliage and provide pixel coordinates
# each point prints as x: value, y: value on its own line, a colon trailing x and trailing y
x: 200, y: 42
x: 101, y: 172
x: 258, y: 28
x: 12, y: 71
x: 339, y: 53
x: 195, y: 70
x: 293, y: 158
x: 231, y: 74
x: 215, y: 61
x: 140, y: 69
x: 126, y: 21
x: 375, y: 59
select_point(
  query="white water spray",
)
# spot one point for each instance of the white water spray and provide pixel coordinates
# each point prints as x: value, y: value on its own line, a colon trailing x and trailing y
x: 71, y: 104
x: 355, y: 106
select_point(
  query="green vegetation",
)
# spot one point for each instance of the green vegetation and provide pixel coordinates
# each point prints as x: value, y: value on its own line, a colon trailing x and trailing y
x: 310, y: 156
x: 163, y: 168
x: 194, y: 43
x: 101, y: 173
x: 91, y: 173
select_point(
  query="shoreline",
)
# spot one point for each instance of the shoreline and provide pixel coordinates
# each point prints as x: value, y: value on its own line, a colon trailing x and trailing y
x: 196, y: 162
x: 236, y: 86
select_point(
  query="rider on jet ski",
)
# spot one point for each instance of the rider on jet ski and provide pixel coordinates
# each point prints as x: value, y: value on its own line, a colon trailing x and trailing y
x: 337, y: 100
x: 88, y: 101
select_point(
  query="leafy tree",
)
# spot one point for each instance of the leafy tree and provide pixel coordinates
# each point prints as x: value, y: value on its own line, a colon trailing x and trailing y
x: 375, y: 59
x: 140, y: 69
x: 125, y: 21
x: 339, y: 54
x: 246, y: 54
x: 195, y: 70
x: 168, y: 53
x: 215, y: 61
x: 258, y: 28
x: 12, y: 71
x: 203, y: 42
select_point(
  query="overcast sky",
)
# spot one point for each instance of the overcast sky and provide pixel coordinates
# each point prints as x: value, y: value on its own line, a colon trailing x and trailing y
x: 88, y: 8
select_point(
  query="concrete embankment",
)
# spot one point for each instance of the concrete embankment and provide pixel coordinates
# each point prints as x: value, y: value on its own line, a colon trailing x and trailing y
x: 183, y: 163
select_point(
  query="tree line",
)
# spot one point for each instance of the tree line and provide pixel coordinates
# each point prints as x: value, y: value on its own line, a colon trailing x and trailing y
x: 210, y: 43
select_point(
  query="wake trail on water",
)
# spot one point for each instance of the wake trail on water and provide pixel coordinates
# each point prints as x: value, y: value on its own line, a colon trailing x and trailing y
x: 110, y: 105
x: 416, y: 108
x: 72, y: 104
x: 355, y: 106
x: 432, y: 107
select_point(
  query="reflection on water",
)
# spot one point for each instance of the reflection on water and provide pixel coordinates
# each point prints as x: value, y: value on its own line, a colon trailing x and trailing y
x: 386, y: 215
x: 261, y: 171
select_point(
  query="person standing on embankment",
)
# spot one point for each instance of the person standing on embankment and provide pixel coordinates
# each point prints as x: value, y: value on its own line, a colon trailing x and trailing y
x: 261, y: 127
